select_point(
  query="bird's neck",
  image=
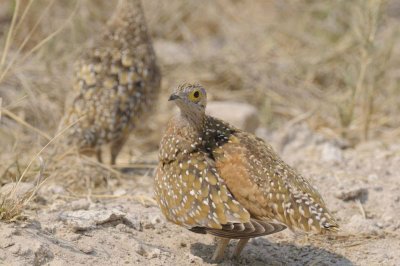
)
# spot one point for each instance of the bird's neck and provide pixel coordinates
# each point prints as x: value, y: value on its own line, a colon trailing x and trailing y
x: 193, y: 121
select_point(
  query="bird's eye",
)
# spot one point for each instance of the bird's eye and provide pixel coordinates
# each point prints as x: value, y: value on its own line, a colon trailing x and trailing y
x: 195, y: 96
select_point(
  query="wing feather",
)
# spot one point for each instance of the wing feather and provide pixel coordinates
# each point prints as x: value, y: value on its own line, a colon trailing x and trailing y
x: 265, y: 185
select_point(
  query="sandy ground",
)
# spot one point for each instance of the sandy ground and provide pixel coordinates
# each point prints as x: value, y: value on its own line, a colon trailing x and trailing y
x: 361, y: 186
x: 290, y: 55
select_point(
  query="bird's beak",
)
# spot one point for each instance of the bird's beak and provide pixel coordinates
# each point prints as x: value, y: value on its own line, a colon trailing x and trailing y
x: 173, y: 97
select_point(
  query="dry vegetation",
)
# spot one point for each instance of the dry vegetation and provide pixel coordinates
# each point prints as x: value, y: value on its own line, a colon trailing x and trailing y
x: 333, y: 64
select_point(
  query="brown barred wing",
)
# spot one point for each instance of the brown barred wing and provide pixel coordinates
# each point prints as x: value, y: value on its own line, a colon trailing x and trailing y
x: 190, y: 193
x: 267, y: 187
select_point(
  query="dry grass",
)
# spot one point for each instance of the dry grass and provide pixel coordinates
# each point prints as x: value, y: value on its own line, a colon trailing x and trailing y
x: 287, y: 58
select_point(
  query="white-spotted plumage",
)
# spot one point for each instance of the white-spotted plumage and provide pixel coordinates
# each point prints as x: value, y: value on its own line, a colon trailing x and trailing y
x: 236, y: 182
x: 117, y: 83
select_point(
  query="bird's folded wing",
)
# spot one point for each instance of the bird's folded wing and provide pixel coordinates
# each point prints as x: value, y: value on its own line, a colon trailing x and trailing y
x: 267, y: 187
x: 191, y: 193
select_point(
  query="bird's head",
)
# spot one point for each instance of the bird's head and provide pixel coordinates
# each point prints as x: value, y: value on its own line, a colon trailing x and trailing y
x: 190, y: 98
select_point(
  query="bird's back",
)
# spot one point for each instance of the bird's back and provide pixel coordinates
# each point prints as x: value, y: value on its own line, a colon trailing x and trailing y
x: 262, y: 182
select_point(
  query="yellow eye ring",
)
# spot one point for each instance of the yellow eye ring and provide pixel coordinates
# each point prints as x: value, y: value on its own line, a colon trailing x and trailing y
x: 195, y: 96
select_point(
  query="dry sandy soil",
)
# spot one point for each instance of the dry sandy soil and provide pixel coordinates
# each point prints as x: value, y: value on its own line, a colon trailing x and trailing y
x: 288, y: 59
x: 361, y: 186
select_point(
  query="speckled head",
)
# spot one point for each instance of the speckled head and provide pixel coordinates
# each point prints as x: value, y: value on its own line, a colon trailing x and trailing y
x: 190, y: 98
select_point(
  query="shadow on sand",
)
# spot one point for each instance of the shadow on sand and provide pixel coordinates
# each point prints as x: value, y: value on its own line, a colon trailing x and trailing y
x: 260, y: 251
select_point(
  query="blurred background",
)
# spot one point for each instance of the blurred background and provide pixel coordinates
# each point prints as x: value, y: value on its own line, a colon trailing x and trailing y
x: 332, y: 66
x: 319, y: 79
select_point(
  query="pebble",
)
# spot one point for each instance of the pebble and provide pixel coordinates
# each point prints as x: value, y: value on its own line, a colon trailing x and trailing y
x: 352, y: 194
x: 331, y: 153
x: 147, y: 251
x: 82, y: 220
x: 195, y: 259
x: 85, y: 248
x: 18, y: 191
x: 119, y: 192
x: 133, y: 222
x: 81, y: 204
x: 42, y: 254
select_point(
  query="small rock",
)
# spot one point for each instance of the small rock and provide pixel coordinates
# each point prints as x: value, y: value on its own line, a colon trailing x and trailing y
x: 353, y: 194
x: 18, y: 190
x: 74, y: 237
x: 152, y: 220
x: 154, y: 253
x: 51, y: 189
x: 85, y: 248
x: 139, y: 249
x: 387, y: 218
x: 85, y: 220
x: 331, y: 153
x: 156, y: 219
x: 195, y: 259
x: 241, y: 115
x: 81, y: 204
x: 122, y: 228
x: 379, y: 224
x: 42, y: 255
x: 183, y: 244
x: 119, y: 192
x: 57, y: 189
x: 147, y: 251
x: 133, y: 222
x: 372, y: 177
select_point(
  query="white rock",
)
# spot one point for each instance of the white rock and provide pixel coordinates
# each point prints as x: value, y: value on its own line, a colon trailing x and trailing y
x: 194, y: 259
x: 85, y: 220
x: 81, y: 204
x: 331, y: 153
x: 18, y: 190
x: 87, y: 249
x: 352, y: 194
x: 147, y: 251
x: 241, y: 115
x: 133, y: 222
x: 119, y: 192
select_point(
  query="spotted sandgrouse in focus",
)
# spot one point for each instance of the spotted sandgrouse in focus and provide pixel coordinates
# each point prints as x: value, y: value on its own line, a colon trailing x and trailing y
x: 117, y: 82
x: 216, y: 179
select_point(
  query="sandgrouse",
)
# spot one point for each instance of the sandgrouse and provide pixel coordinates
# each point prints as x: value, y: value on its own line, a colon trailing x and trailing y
x: 117, y: 82
x: 216, y: 179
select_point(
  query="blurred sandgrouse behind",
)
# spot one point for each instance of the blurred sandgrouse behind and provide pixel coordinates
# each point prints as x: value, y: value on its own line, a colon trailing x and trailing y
x: 216, y: 179
x: 117, y: 82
